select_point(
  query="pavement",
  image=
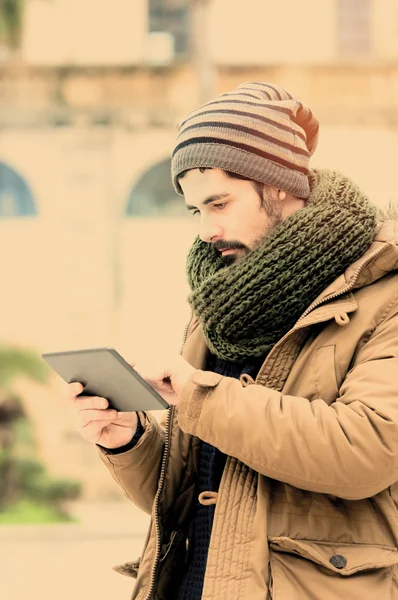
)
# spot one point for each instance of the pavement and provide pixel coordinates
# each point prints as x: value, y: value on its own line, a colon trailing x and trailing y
x: 73, y: 561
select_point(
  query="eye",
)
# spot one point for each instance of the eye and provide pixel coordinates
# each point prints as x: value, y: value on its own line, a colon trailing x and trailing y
x: 220, y: 205
x: 195, y: 212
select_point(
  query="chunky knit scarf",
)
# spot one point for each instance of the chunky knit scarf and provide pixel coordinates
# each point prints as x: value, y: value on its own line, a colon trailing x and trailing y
x: 246, y: 307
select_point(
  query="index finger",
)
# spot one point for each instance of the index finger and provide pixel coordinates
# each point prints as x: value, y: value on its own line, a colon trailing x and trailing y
x: 76, y: 388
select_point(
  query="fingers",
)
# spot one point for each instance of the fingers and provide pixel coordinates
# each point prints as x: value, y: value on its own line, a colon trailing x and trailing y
x: 85, y: 417
x: 84, y: 402
x: 153, y: 372
x: 162, y: 386
x: 90, y: 402
x: 93, y: 431
x: 74, y: 389
x: 97, y: 422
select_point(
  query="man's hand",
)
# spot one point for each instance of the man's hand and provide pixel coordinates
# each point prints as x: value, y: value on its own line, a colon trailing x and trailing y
x: 167, y: 376
x: 98, y: 423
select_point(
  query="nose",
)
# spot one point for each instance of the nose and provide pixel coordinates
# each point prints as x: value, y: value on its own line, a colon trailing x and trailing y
x: 210, y: 231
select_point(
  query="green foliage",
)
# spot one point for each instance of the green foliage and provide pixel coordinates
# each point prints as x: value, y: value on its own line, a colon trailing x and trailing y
x: 34, y: 483
x: 16, y: 361
x: 24, y: 435
x: 11, y: 15
x: 24, y: 481
x: 27, y: 512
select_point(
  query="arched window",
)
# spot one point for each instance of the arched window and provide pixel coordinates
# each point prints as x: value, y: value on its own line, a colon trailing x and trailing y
x: 154, y: 196
x: 16, y: 199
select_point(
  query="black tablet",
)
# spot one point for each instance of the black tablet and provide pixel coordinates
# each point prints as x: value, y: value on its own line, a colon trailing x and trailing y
x: 103, y: 372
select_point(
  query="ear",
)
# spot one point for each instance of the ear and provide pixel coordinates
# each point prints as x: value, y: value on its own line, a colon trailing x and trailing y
x: 281, y: 195
x: 277, y: 194
x: 273, y: 192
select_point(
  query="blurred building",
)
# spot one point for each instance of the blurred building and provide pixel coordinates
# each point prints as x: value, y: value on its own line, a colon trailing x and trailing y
x: 92, y: 234
x: 133, y: 62
x: 157, y: 31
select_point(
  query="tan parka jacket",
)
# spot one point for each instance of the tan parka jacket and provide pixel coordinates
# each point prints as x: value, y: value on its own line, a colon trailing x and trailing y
x: 307, y: 505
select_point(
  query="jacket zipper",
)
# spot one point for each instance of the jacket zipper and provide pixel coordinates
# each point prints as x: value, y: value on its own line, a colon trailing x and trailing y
x: 317, y: 303
x: 161, y: 481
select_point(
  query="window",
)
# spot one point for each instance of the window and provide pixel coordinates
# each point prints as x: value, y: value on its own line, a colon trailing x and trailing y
x: 171, y: 16
x: 154, y: 196
x: 16, y: 199
x: 354, y: 27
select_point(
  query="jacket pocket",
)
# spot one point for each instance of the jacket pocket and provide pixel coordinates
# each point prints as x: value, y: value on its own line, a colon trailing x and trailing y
x: 307, y: 570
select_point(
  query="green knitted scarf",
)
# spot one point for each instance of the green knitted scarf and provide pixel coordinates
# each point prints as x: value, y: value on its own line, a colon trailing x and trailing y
x: 246, y: 307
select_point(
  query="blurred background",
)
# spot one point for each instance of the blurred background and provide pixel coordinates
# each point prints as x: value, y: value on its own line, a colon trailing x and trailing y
x: 93, y: 238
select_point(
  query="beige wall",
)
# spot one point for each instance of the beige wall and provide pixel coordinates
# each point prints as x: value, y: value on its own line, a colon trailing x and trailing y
x: 259, y: 32
x: 256, y: 32
x: 84, y: 32
x: 289, y: 32
x: 64, y: 266
x: 385, y: 29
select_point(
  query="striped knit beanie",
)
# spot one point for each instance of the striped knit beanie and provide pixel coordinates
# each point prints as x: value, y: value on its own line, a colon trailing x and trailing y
x: 258, y: 131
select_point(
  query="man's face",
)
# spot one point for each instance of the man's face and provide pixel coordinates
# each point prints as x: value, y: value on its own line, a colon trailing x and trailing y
x: 229, y: 212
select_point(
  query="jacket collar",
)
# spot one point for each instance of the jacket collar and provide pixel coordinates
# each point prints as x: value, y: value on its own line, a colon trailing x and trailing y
x: 379, y: 259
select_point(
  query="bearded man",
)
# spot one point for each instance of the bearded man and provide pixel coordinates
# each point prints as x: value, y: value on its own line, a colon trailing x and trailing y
x: 274, y: 474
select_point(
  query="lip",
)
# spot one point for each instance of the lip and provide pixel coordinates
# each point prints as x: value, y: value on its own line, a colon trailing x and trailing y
x: 227, y: 251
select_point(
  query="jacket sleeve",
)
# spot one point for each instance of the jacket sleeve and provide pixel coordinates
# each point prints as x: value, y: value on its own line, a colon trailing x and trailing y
x: 348, y: 449
x: 137, y: 470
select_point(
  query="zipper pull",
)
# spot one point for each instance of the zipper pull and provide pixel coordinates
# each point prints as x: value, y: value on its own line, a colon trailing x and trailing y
x: 174, y: 538
x: 186, y: 553
x: 342, y: 319
x: 246, y: 380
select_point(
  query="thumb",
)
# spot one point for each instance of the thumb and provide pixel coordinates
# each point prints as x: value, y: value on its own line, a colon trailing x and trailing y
x: 126, y: 419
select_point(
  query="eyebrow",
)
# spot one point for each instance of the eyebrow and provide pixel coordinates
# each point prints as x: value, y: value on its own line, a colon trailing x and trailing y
x: 209, y: 200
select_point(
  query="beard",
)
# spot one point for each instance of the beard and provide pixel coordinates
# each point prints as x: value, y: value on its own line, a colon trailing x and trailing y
x: 273, y: 211
x: 273, y: 223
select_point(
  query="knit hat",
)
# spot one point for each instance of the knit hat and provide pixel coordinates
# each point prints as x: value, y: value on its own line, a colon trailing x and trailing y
x: 258, y: 131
